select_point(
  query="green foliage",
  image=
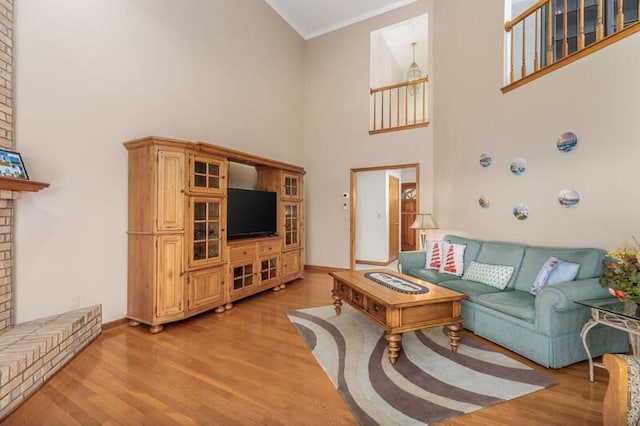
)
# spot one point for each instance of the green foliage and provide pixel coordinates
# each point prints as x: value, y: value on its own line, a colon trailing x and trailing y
x: 621, y: 271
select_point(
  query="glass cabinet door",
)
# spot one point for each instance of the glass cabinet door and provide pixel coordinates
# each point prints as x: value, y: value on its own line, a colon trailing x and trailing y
x: 292, y: 186
x: 268, y: 270
x: 207, y: 227
x: 242, y: 276
x: 207, y: 175
x: 291, y: 224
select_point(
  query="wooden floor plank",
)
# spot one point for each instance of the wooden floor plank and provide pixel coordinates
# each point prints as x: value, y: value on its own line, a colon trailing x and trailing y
x: 249, y: 366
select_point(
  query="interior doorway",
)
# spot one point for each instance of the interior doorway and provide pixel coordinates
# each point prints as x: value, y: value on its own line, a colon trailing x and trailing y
x: 408, y: 211
x: 379, y: 210
x: 394, y: 217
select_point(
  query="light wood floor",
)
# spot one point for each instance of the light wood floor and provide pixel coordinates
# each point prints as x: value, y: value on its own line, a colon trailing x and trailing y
x: 249, y: 366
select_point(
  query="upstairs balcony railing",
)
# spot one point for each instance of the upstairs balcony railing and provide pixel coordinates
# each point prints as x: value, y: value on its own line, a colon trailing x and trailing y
x: 399, y: 106
x: 553, y: 33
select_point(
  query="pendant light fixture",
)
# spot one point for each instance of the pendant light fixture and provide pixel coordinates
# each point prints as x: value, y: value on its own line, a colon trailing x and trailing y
x: 413, y: 73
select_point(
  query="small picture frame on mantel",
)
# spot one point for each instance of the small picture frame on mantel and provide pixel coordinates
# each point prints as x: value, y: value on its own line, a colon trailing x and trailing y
x: 11, y: 165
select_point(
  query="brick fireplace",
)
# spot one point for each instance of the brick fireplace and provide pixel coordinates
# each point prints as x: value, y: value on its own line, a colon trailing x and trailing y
x: 6, y: 258
x: 31, y: 352
x: 7, y: 141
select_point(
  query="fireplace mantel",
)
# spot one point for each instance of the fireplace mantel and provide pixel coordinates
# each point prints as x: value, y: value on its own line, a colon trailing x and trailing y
x: 13, y: 184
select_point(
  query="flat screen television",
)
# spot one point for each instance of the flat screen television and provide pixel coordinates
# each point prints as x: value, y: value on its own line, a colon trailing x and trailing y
x: 250, y: 213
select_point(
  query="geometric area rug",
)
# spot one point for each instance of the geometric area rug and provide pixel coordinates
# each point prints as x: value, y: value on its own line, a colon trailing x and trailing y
x: 428, y: 383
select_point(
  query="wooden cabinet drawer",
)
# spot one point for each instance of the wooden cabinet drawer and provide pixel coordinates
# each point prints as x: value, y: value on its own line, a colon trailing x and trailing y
x: 341, y: 290
x: 377, y: 310
x: 240, y: 252
x: 266, y: 248
x: 358, y: 298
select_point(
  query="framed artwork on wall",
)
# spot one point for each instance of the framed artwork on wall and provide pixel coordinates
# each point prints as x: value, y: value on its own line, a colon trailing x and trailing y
x: 521, y: 211
x: 569, y: 197
x: 11, y: 165
x: 567, y: 142
x: 518, y: 166
x: 485, y: 159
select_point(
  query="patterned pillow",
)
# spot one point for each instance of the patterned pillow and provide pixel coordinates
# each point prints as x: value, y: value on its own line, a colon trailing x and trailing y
x: 554, y: 271
x: 497, y: 276
x: 453, y: 261
x: 434, y: 254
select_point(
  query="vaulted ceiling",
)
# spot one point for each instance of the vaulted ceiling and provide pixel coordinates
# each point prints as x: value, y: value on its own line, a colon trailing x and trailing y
x: 311, y: 18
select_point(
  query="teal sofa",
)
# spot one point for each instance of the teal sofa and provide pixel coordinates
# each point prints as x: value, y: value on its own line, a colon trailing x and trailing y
x: 544, y: 328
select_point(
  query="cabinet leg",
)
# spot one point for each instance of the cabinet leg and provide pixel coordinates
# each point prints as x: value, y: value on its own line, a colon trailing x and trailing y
x: 228, y: 306
x: 283, y: 286
x: 156, y: 328
x: 220, y: 309
x: 134, y: 323
x: 276, y: 288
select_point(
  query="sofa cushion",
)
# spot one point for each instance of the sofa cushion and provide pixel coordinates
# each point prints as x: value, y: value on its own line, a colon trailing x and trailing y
x: 473, y: 247
x: 430, y: 275
x: 535, y: 257
x: 497, y: 276
x: 472, y: 289
x: 519, y: 304
x: 508, y: 254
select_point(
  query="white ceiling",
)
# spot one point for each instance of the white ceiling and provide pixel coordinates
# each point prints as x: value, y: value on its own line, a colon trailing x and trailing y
x: 311, y: 18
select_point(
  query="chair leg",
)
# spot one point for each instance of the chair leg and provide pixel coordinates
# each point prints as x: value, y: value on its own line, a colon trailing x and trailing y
x: 614, y: 407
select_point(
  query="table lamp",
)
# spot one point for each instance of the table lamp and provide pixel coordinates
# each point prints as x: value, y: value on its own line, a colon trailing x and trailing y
x: 423, y: 222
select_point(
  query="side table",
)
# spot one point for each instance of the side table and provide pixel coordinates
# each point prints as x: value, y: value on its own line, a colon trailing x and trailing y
x: 612, y: 313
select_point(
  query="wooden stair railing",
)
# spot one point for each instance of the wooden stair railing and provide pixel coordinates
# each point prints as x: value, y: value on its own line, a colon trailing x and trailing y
x: 541, y: 15
x: 399, y: 106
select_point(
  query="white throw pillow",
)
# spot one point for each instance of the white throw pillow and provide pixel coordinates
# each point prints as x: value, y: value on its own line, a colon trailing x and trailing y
x: 434, y: 254
x: 453, y: 260
x: 554, y: 271
x: 497, y: 276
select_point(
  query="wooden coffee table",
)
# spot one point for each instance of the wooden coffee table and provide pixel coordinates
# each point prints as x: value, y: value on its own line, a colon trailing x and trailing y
x: 398, y: 312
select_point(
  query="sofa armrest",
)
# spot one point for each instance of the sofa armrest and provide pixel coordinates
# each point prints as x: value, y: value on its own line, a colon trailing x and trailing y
x: 562, y: 296
x: 556, y: 310
x: 411, y: 260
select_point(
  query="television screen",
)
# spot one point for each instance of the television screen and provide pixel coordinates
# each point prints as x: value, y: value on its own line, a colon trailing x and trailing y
x: 250, y: 213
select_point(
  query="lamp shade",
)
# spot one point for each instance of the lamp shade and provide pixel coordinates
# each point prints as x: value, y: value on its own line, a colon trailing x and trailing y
x: 423, y: 221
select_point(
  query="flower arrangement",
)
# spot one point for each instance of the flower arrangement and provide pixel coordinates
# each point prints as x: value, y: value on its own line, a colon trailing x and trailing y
x: 621, y: 271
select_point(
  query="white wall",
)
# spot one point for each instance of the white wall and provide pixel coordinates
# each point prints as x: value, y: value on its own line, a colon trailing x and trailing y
x: 336, y: 132
x: 91, y: 74
x: 241, y: 176
x: 595, y: 97
x: 408, y: 175
x: 371, y: 216
x: 384, y: 69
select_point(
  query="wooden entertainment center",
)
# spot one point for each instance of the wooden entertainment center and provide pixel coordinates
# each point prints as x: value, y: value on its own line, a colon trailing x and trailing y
x: 180, y: 262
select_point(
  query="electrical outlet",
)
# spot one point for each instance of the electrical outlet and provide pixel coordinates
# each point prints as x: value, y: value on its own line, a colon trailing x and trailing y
x: 75, y: 301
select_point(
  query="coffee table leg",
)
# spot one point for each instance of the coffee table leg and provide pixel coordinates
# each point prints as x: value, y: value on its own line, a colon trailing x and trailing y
x: 337, y: 302
x: 394, y: 344
x: 454, y: 336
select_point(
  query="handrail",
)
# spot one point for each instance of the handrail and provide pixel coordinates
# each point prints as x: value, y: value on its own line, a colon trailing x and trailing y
x: 394, y: 109
x: 510, y: 24
x: 598, y: 45
x: 560, y: 42
x: 398, y: 85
